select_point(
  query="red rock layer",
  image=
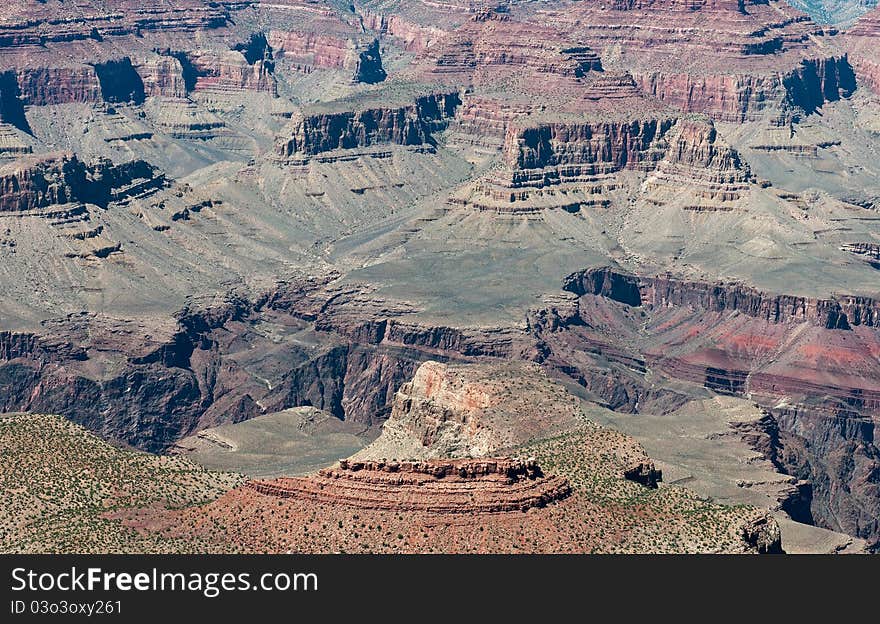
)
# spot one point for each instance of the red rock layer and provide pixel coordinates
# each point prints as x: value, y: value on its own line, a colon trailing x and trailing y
x: 37, y: 182
x: 699, y: 162
x: 491, y: 42
x: 162, y: 76
x: 57, y: 55
x: 863, y: 41
x: 738, y: 340
x: 226, y: 72
x: 38, y: 24
x: 418, y: 26
x: 659, y: 292
x: 305, y: 51
x: 729, y: 59
x: 441, y: 487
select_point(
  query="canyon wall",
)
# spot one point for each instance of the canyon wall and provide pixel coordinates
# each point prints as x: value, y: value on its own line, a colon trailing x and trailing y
x: 737, y: 98
x: 411, y: 124
x: 595, y: 146
x: 862, y: 40
x: 37, y: 182
x: 838, y: 313
x: 810, y: 362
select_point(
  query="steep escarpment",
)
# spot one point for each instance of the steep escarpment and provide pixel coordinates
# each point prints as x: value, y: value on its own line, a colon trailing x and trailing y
x: 812, y: 363
x: 861, y: 40
x: 738, y: 98
x: 571, y: 165
x: 491, y: 45
x: 44, y: 45
x: 838, y: 313
x: 731, y: 60
x: 11, y: 106
x: 120, y: 82
x: 700, y: 170
x: 828, y: 455
x: 599, y: 147
x: 566, y: 164
x: 163, y: 386
x: 439, y: 487
x: 163, y: 76
x: 366, y: 64
x: 210, y: 366
x: 411, y: 124
x: 42, y: 181
x: 818, y: 81
x: 228, y: 71
x: 48, y: 22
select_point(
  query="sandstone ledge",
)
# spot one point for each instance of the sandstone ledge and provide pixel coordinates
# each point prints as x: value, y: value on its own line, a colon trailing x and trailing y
x: 443, y: 487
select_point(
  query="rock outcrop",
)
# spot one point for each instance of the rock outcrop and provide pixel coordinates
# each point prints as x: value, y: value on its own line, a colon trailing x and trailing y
x: 366, y: 63
x: 661, y: 292
x: 702, y: 166
x: 312, y: 133
x: 738, y: 98
x: 566, y: 164
x: 162, y: 76
x: 39, y: 182
x: 471, y: 411
x: 869, y: 251
x: 230, y: 72
x: 862, y: 41
x: 438, y: 487
x: 764, y: 535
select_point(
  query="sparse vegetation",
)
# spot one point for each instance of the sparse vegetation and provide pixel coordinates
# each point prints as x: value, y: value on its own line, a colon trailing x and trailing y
x: 62, y: 486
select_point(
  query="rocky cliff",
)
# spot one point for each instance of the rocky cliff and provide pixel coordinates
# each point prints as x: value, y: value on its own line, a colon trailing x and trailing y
x: 365, y: 63
x: 37, y: 182
x: 412, y: 124
x: 491, y: 45
x: 162, y: 76
x: 584, y: 148
x: 700, y: 165
x: 439, y: 487
x: 566, y: 164
x: 470, y: 411
x: 745, y: 97
x: 861, y: 41
x: 810, y: 362
x: 660, y: 292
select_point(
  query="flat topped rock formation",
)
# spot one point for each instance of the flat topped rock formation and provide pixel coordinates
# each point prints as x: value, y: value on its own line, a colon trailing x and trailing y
x: 463, y: 486
x: 464, y: 411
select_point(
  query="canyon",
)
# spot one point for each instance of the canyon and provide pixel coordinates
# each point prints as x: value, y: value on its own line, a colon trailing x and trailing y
x: 412, y: 217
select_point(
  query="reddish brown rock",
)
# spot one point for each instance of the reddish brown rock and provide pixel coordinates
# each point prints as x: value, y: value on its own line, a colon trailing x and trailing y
x: 162, y: 76
x: 566, y: 164
x: 730, y: 59
x: 230, y: 71
x: 862, y: 41
x: 439, y: 487
x: 42, y: 181
x: 660, y: 292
